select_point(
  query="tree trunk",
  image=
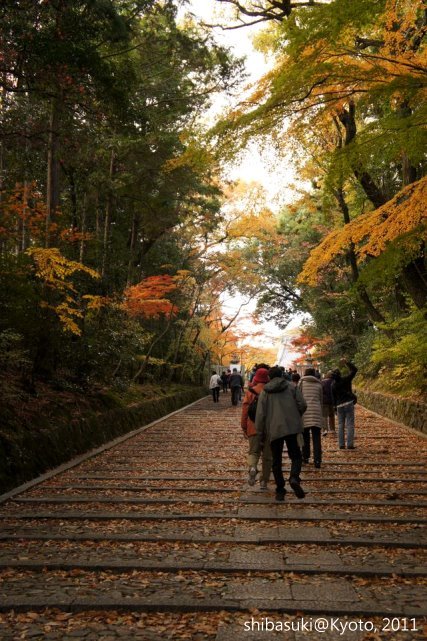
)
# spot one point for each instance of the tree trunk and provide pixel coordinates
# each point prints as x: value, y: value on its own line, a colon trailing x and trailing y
x: 97, y: 230
x: 347, y: 118
x: 52, y: 181
x: 146, y: 360
x: 107, y: 221
x: 409, y: 173
x: 414, y: 280
x: 24, y: 216
x: 373, y: 192
x: 83, y: 230
x: 373, y: 313
x: 413, y: 275
x: 73, y: 197
x: 132, y: 246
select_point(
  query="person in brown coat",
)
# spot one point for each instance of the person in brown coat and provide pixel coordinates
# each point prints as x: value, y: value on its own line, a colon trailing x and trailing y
x: 248, y: 426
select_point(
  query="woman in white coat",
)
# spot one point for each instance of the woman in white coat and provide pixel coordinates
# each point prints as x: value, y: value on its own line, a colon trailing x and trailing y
x: 215, y: 386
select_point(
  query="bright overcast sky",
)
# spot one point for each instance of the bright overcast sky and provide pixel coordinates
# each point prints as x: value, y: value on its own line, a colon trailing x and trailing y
x: 274, y: 173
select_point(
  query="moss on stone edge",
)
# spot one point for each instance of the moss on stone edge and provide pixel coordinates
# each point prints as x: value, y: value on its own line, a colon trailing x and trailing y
x: 34, y: 452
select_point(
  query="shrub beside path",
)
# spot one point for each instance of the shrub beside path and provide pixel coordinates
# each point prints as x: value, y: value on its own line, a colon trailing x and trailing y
x: 160, y: 537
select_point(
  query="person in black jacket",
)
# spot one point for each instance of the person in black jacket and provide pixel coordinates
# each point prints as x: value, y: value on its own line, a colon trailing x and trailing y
x: 236, y: 386
x: 343, y: 400
x: 328, y: 404
x: 224, y: 380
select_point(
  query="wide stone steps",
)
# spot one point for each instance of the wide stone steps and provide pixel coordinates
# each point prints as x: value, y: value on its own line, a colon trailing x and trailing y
x: 244, y: 514
x: 165, y: 525
x: 142, y: 591
x: 253, y: 536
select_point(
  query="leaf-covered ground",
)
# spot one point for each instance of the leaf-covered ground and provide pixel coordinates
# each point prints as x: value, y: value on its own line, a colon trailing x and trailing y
x: 162, y: 538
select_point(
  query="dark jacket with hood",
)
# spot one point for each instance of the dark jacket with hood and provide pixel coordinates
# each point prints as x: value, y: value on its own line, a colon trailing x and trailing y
x: 341, y: 386
x: 236, y: 380
x: 327, y: 391
x: 279, y: 411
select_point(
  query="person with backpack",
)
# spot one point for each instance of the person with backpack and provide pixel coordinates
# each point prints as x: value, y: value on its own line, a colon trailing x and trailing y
x: 236, y: 386
x: 344, y: 401
x: 215, y: 386
x: 249, y: 409
x: 278, y: 421
x: 311, y: 389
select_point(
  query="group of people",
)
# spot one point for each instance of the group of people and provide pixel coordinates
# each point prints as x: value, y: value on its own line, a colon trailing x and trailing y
x: 231, y: 380
x: 283, y: 408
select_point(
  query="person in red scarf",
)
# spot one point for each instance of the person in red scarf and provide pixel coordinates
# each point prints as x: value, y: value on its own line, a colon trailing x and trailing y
x: 248, y: 426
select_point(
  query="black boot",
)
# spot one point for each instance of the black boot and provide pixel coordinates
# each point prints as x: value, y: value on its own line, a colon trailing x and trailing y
x: 294, y: 479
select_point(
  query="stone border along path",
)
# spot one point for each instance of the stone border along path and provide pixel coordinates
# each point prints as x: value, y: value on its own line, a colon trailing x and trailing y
x: 163, y: 521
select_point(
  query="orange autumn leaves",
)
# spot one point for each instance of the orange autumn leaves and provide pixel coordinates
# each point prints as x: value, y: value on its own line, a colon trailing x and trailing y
x: 149, y: 298
x: 23, y: 214
x: 371, y: 233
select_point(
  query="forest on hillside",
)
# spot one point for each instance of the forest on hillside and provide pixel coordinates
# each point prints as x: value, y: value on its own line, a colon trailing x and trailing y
x: 119, y: 232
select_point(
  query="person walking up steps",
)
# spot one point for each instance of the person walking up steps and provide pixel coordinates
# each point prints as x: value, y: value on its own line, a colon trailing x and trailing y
x: 311, y: 389
x: 249, y: 409
x: 252, y: 373
x: 236, y: 386
x: 215, y: 386
x: 224, y: 379
x: 344, y: 401
x: 328, y: 405
x: 295, y: 379
x: 278, y: 421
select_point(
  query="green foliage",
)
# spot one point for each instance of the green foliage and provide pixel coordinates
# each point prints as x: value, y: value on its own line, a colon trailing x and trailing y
x: 348, y: 92
x: 109, y: 347
x: 14, y: 362
x: 400, y: 356
x: 99, y: 103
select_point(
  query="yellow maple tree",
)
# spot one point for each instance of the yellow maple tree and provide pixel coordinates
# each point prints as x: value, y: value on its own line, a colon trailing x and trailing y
x: 54, y: 271
x: 371, y: 233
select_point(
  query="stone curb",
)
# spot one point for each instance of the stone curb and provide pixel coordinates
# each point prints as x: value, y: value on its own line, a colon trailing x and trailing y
x: 84, y: 457
x: 398, y: 404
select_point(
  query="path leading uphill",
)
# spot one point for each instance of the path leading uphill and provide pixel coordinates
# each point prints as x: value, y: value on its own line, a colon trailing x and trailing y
x: 160, y: 537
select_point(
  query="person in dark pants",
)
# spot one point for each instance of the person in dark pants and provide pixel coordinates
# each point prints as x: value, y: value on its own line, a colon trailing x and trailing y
x: 215, y: 386
x: 224, y: 379
x: 344, y: 400
x: 236, y: 386
x: 278, y: 421
x: 312, y: 391
x: 328, y: 405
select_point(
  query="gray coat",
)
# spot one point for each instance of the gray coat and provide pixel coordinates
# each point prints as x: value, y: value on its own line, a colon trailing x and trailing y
x: 312, y: 390
x: 279, y: 410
